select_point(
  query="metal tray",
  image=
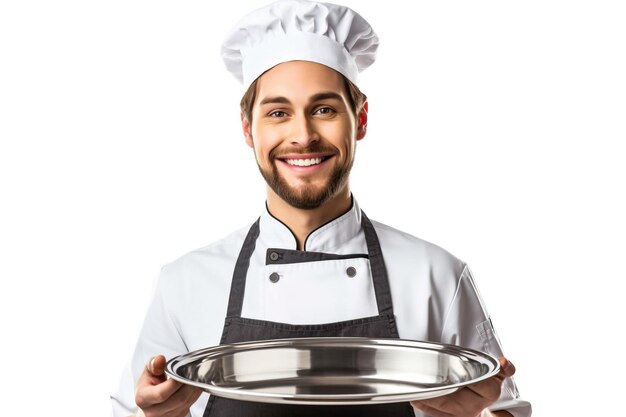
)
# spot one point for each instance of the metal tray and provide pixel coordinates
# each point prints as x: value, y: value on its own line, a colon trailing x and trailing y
x: 332, y: 370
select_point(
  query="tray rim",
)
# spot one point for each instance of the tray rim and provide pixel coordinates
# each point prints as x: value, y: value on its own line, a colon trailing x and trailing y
x: 340, y: 399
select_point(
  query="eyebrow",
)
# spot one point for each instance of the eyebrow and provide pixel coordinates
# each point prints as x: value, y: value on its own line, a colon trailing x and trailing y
x: 316, y: 97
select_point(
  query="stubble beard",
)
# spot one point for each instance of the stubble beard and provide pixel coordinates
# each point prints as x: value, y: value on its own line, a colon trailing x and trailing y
x: 306, y: 197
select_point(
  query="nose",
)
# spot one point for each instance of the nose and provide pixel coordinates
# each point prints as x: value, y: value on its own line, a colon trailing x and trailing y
x: 304, y: 132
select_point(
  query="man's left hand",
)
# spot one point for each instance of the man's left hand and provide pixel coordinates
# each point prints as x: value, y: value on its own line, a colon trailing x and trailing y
x: 469, y: 401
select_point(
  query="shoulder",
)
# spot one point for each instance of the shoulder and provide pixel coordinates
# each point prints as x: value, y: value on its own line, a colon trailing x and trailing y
x: 192, y: 290
x: 400, y: 246
x: 423, y: 279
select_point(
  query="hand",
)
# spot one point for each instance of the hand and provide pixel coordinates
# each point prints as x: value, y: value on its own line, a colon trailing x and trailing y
x: 469, y: 401
x: 156, y: 395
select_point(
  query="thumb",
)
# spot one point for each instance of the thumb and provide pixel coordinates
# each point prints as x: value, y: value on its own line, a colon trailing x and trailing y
x: 507, y: 368
x: 156, y: 366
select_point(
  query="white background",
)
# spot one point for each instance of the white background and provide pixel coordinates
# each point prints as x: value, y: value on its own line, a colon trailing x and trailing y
x: 495, y: 131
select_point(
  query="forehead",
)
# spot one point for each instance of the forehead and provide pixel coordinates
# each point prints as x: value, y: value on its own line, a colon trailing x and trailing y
x: 298, y: 80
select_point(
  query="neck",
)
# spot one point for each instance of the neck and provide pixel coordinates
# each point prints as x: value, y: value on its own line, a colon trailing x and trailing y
x: 302, y: 222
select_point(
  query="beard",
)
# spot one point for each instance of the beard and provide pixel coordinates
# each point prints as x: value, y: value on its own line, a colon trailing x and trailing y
x: 308, y: 196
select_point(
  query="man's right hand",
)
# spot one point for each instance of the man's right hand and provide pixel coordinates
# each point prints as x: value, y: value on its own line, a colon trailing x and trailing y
x: 157, y: 396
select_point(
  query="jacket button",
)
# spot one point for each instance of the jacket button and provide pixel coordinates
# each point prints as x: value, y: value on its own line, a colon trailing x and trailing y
x: 351, y: 271
x: 274, y: 256
x: 274, y: 277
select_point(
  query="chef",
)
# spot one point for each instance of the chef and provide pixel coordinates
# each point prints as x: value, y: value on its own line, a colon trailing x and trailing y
x: 313, y: 263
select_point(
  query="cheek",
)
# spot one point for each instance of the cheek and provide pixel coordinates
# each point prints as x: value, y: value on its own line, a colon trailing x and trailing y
x: 262, y: 148
x: 266, y: 139
x: 342, y: 136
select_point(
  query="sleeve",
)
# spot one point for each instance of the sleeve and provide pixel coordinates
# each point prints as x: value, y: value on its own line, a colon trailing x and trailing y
x: 158, y: 335
x: 468, y: 324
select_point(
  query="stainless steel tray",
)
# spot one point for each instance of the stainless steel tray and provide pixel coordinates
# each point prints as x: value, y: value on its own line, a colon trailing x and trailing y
x: 332, y: 370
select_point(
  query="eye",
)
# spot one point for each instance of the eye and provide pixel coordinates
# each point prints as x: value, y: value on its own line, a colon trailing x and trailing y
x: 325, y: 110
x: 277, y: 113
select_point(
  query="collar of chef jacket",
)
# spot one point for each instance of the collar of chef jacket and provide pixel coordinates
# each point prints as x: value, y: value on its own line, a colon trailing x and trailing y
x: 342, y: 235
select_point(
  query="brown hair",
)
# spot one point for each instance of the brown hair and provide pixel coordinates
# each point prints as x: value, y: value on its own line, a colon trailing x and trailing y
x: 356, y: 97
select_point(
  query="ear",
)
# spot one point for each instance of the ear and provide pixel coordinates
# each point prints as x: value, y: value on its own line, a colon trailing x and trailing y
x: 362, y: 125
x: 245, y: 125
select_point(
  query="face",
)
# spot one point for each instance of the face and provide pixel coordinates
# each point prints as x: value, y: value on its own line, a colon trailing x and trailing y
x: 304, y: 132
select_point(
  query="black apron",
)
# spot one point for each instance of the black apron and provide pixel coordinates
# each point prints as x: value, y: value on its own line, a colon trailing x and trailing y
x: 239, y: 329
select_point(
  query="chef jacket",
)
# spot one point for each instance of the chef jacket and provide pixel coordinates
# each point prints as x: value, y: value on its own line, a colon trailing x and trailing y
x: 433, y: 293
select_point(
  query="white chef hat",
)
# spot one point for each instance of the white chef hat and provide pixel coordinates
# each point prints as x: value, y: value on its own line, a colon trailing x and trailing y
x: 289, y: 30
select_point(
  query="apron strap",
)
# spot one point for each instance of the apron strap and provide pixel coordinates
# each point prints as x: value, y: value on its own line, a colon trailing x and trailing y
x: 377, y: 264
x: 238, y: 285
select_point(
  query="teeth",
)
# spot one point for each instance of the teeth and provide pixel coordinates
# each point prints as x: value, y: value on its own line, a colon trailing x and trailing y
x: 304, y: 162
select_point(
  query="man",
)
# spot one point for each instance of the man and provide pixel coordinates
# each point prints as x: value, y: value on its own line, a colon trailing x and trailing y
x: 313, y: 264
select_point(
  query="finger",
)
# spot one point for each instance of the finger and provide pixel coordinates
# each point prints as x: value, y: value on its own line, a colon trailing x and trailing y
x: 153, y: 373
x: 193, y: 397
x: 507, y: 368
x: 461, y: 401
x: 185, y: 410
x: 489, y: 388
x: 441, y: 403
x: 427, y: 409
x: 156, y: 365
x: 150, y: 394
x: 178, y: 402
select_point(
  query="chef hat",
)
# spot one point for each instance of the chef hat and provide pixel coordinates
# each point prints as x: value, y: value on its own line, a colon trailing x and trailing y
x: 289, y: 30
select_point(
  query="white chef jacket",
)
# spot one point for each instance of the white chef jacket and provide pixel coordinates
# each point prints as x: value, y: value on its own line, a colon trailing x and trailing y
x: 433, y: 293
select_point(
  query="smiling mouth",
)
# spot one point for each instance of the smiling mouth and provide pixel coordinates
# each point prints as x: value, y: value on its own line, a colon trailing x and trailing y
x: 305, y: 162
